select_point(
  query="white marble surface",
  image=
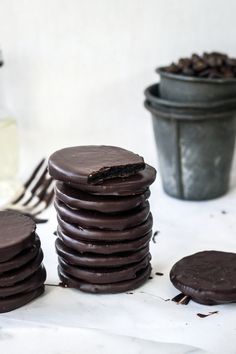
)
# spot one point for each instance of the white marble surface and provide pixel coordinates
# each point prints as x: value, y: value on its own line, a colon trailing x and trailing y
x: 69, y: 321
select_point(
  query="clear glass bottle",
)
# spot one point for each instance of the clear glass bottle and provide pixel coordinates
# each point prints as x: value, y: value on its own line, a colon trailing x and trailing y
x: 8, y: 145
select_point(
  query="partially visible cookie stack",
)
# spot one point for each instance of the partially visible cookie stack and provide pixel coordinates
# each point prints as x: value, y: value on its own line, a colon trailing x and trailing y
x: 22, y: 274
x: 104, y: 219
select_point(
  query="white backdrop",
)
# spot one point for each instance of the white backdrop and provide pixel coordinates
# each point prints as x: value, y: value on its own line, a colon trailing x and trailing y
x: 76, y: 69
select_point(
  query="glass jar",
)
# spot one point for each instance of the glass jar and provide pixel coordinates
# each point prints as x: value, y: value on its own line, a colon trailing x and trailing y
x: 8, y: 145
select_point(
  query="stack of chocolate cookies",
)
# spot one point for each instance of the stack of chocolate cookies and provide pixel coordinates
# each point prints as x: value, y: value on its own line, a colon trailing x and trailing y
x: 22, y: 274
x: 104, y: 219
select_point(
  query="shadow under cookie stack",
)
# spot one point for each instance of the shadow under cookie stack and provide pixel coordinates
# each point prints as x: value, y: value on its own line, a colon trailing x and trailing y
x: 104, y: 219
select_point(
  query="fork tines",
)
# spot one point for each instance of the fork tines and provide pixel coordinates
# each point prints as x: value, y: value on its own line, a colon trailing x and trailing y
x: 38, y: 192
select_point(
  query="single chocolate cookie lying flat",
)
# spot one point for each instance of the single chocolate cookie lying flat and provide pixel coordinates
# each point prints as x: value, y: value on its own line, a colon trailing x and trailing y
x: 105, y: 275
x: 94, y: 260
x: 104, y: 247
x: 95, y: 219
x: 15, y: 301
x: 22, y: 258
x: 79, y: 233
x: 93, y: 164
x: 75, y: 198
x: 113, y: 288
x: 207, y: 277
x: 17, y: 233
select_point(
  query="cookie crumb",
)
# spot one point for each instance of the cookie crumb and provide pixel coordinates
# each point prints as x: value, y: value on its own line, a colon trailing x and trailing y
x: 159, y: 273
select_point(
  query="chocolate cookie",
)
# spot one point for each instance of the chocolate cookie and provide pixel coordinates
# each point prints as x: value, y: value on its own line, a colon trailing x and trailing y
x: 15, y: 301
x: 14, y: 276
x: 22, y: 274
x: 79, y: 233
x: 104, y: 218
x: 207, y: 277
x: 17, y: 233
x: 22, y: 258
x: 77, y: 199
x: 136, y: 184
x: 127, y: 285
x: 93, y: 164
x: 104, y: 247
x: 95, y: 219
x: 33, y: 282
x: 104, y: 275
x: 93, y: 260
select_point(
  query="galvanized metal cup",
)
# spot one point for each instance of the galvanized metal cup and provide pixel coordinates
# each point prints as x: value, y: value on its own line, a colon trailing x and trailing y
x: 182, y: 88
x: 152, y: 94
x: 195, y: 150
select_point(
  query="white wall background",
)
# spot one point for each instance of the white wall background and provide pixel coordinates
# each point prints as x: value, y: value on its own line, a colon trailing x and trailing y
x: 77, y: 68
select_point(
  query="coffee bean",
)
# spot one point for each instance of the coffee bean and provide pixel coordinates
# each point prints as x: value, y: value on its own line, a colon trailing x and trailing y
x: 184, y: 63
x: 212, y: 65
x: 173, y: 68
x: 231, y: 62
x: 215, y: 74
x: 227, y: 72
x: 204, y: 73
x: 195, y: 58
x: 199, y: 65
x: 188, y: 72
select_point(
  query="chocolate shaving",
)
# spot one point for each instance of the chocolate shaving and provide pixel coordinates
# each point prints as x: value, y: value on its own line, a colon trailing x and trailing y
x: 202, y: 315
x: 159, y: 273
x: 55, y: 233
x: 150, y: 278
x: 223, y: 212
x: 154, y: 236
x: 181, y: 299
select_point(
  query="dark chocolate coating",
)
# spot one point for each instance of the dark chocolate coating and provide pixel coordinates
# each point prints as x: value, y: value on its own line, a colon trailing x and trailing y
x: 17, y: 233
x: 104, y: 275
x: 104, y: 247
x: 208, y: 277
x: 33, y: 282
x: 94, y: 219
x: 79, y: 233
x: 92, y: 164
x: 93, y: 260
x: 77, y: 199
x: 13, y: 302
x: 17, y: 275
x: 22, y: 258
x: 136, y: 184
x: 113, y: 288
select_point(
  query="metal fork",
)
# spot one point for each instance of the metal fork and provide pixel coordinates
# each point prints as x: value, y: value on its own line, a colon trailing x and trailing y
x: 37, y: 194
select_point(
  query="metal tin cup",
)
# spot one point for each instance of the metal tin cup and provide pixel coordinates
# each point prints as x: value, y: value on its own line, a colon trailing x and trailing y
x: 195, y: 150
x: 152, y: 94
x: 182, y: 88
